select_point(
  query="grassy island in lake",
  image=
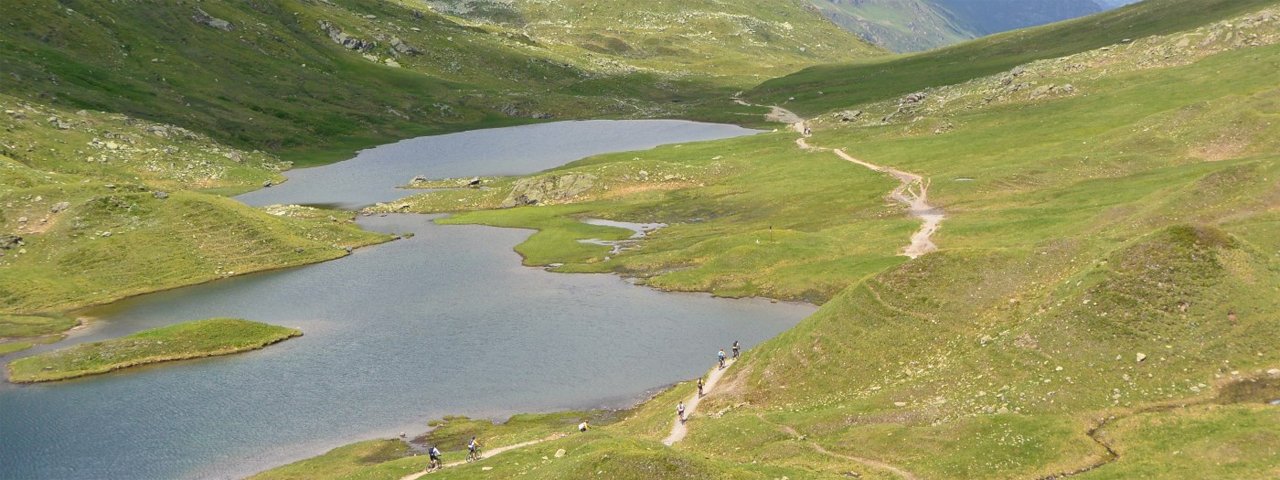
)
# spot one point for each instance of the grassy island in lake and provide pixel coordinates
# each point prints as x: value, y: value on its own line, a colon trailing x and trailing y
x: 195, y: 339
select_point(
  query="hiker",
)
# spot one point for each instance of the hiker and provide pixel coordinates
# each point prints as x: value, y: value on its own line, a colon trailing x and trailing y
x: 721, y: 357
x: 737, y: 350
x: 680, y: 411
x: 582, y: 427
x: 700, y: 386
x: 807, y: 132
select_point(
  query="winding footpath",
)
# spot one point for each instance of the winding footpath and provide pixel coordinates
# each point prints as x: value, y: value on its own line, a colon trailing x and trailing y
x: 485, y: 454
x: 912, y: 191
x: 679, y: 429
x: 876, y: 464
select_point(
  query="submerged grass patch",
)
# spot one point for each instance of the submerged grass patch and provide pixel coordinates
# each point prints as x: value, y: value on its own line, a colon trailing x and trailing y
x: 195, y: 339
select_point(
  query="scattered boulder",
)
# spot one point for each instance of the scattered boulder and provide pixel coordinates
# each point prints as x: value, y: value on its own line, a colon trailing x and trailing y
x: 560, y: 453
x: 913, y: 99
x: 849, y: 115
x: 419, y: 179
x: 267, y: 184
x: 399, y: 47
x: 60, y: 206
x: 9, y: 242
x: 207, y: 20
x: 347, y: 41
x: 57, y: 123
x: 1141, y: 357
x: 475, y: 182
x: 160, y: 195
x: 546, y: 189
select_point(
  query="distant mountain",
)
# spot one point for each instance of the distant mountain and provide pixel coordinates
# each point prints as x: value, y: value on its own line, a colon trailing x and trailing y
x: 913, y: 25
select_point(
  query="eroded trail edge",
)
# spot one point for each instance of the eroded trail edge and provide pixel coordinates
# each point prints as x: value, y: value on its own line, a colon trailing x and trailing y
x: 680, y: 429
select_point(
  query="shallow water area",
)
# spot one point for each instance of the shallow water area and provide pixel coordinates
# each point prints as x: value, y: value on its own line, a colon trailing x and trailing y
x: 444, y: 322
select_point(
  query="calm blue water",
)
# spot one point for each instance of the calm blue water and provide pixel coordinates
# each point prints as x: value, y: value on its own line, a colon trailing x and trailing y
x: 446, y: 322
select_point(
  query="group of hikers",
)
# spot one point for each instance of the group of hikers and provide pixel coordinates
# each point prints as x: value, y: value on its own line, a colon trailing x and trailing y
x: 723, y: 358
x: 473, y: 446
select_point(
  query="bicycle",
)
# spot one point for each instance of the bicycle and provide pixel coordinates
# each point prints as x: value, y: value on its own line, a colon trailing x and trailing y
x: 473, y: 455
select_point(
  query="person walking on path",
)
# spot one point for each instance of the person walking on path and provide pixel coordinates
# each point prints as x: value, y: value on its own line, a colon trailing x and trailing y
x: 700, y: 384
x: 737, y: 350
x: 680, y: 411
x: 721, y: 356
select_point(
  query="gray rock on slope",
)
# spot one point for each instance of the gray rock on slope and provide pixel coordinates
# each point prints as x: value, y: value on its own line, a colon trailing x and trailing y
x: 8, y: 242
x: 207, y: 20
x: 552, y: 188
x: 347, y: 41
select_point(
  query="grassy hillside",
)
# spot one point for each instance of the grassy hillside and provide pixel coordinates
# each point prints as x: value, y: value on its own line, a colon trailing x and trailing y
x: 313, y: 81
x: 742, y: 41
x: 1104, y: 298
x: 96, y: 207
x: 823, y: 88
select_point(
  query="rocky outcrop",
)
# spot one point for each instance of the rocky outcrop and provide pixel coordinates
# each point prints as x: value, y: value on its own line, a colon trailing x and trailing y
x: 207, y: 20
x: 347, y: 41
x: 548, y: 189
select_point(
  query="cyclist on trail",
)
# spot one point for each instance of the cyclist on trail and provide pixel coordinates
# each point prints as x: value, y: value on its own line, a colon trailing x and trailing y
x: 680, y: 411
x: 435, y: 457
x: 700, y: 384
x: 473, y: 448
x: 721, y: 357
x: 736, y: 349
x: 582, y: 427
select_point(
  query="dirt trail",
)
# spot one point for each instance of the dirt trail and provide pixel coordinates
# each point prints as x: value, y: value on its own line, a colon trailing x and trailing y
x: 486, y: 454
x: 912, y: 191
x: 679, y: 430
x: 819, y: 448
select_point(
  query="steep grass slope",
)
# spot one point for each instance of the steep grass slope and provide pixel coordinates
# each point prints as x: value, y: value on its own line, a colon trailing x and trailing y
x: 823, y: 88
x: 300, y: 77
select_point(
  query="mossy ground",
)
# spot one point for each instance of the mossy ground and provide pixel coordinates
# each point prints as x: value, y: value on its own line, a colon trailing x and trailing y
x: 194, y: 339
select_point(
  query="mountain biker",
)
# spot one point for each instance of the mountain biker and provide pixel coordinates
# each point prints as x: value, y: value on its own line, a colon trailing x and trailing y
x: 473, y: 448
x: 582, y: 427
x: 435, y: 457
x: 736, y: 349
x: 700, y: 384
x: 721, y: 357
x: 680, y: 411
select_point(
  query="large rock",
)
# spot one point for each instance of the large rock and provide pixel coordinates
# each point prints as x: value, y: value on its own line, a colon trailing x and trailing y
x: 548, y: 189
x: 207, y: 20
x: 347, y: 41
x: 8, y: 242
x: 60, y: 206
